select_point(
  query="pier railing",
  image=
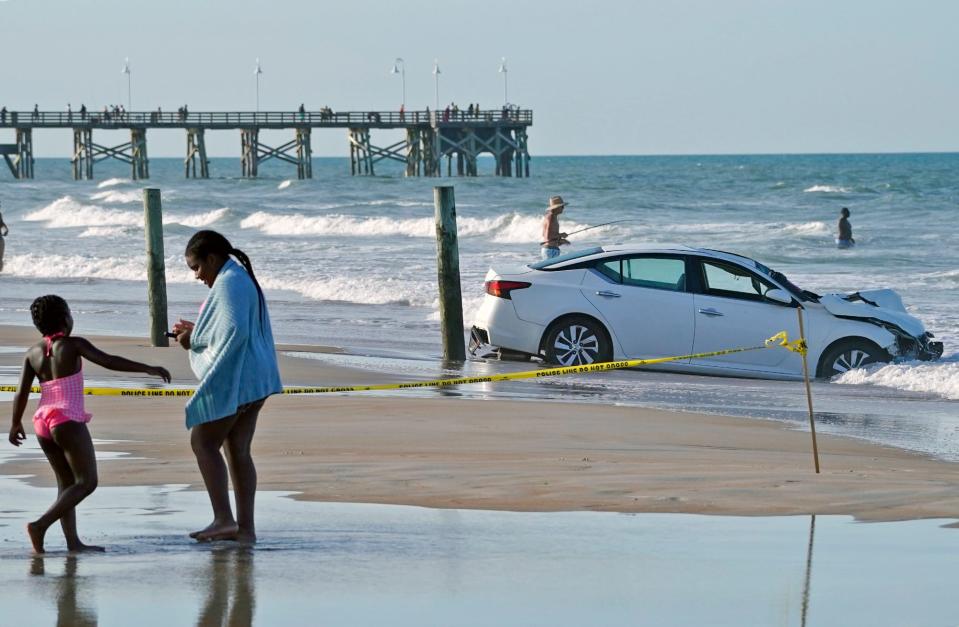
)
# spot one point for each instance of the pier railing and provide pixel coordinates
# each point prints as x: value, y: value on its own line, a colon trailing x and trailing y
x: 263, y: 119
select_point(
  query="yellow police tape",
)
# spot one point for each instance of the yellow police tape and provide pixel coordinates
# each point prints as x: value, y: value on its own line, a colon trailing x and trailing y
x: 780, y: 340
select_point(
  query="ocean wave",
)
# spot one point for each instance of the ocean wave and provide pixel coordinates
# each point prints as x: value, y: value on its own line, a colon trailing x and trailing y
x: 200, y: 219
x: 828, y: 189
x: 118, y: 197
x: 66, y: 212
x: 112, y: 182
x: 75, y: 267
x: 508, y: 228
x: 105, y: 232
x: 88, y: 267
x: 941, y: 378
x: 807, y: 229
x: 359, y: 290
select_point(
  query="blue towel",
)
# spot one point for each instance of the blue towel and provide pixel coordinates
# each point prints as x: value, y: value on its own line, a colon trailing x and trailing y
x: 231, y: 352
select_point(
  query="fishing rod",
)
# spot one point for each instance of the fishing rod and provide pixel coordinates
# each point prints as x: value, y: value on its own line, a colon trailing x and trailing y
x: 596, y: 227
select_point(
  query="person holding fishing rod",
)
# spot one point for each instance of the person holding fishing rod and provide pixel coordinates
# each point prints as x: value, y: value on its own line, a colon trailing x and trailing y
x: 552, y: 237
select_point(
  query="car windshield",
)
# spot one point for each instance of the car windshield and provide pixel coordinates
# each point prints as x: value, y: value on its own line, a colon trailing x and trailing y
x: 780, y: 278
x: 574, y: 254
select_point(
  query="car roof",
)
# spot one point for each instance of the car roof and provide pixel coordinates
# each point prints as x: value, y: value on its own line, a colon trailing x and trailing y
x: 647, y: 247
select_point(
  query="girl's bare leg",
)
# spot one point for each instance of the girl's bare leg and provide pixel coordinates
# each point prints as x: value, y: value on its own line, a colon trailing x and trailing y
x: 242, y: 470
x: 74, y: 461
x: 206, y: 440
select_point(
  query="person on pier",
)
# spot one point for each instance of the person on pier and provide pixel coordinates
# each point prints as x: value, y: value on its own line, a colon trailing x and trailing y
x: 552, y: 237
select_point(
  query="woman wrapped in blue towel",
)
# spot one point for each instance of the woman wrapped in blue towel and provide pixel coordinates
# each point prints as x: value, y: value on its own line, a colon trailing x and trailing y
x: 232, y: 354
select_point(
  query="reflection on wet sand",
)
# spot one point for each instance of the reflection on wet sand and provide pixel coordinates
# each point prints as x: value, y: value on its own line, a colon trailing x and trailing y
x: 68, y: 588
x: 808, y: 579
x: 230, y: 598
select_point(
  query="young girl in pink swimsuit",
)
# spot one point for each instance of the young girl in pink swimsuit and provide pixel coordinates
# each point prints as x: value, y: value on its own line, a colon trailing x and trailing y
x: 60, y: 420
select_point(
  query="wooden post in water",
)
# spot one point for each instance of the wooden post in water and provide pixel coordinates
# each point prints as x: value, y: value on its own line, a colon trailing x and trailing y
x: 448, y: 273
x: 156, y: 270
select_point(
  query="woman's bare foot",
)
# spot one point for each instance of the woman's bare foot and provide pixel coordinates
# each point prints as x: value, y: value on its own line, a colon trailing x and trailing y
x: 217, y: 531
x: 36, y: 536
x: 79, y: 547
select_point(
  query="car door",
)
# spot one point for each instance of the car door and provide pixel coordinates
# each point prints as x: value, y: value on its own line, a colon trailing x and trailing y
x: 644, y: 299
x: 732, y: 312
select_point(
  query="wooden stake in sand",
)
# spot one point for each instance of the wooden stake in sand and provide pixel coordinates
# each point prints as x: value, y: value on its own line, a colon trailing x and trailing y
x: 805, y: 372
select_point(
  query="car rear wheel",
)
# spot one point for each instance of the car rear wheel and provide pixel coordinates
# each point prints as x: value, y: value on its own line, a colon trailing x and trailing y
x: 577, y: 341
x: 850, y: 354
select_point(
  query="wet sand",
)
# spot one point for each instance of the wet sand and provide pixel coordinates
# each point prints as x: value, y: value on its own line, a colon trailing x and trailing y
x: 447, y: 452
x: 354, y: 564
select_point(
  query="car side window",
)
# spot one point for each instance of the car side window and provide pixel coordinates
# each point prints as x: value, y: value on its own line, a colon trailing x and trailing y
x: 731, y: 281
x: 612, y: 269
x: 660, y: 273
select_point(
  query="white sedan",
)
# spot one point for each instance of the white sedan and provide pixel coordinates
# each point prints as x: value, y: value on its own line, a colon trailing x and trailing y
x: 640, y: 302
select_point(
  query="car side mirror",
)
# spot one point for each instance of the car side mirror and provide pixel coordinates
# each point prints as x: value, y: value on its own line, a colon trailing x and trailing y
x: 780, y: 296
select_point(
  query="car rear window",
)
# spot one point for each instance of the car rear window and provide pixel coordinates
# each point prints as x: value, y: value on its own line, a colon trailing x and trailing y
x: 574, y: 254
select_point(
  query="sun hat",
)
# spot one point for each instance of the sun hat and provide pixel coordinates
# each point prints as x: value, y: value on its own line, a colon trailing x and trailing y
x: 555, y: 202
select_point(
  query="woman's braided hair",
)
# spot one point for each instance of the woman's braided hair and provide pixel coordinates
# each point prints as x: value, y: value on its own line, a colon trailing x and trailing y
x: 206, y: 242
x: 49, y: 314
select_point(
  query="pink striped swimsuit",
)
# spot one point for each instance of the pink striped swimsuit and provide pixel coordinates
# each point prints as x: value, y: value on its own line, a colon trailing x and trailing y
x: 61, y: 400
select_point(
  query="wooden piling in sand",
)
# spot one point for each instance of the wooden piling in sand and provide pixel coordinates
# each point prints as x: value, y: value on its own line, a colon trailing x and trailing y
x: 448, y: 274
x: 156, y: 267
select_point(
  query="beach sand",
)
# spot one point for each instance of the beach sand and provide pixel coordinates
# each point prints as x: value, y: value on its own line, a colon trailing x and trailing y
x: 446, y: 452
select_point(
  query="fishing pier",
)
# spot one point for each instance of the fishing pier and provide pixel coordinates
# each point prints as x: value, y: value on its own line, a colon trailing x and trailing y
x: 459, y: 136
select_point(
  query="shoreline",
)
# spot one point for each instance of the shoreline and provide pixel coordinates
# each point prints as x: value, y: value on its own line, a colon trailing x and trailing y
x: 445, y: 452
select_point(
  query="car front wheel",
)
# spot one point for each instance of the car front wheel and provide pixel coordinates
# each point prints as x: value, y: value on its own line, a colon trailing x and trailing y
x: 577, y: 341
x: 848, y: 355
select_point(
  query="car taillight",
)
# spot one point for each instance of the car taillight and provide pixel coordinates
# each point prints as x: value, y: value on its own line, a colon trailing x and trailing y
x: 503, y: 288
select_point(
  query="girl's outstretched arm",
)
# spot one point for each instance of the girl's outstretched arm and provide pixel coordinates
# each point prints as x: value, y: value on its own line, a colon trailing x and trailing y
x: 27, y: 375
x: 114, y: 362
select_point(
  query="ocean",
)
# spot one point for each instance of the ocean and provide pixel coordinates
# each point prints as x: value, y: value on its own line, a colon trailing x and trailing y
x: 351, y: 261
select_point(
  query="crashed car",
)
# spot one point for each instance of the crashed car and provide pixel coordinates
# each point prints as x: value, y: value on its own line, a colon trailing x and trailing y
x: 643, y: 302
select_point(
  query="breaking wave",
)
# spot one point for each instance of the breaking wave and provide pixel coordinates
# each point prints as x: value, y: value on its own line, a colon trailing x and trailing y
x: 67, y: 212
x: 828, y: 189
x: 940, y: 378
x: 118, y: 197
x: 112, y: 182
x: 351, y: 289
x: 508, y: 228
x: 48, y: 266
x: 807, y: 229
x: 200, y: 219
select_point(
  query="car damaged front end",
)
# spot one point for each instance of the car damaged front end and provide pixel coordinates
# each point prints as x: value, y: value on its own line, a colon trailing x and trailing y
x: 884, y: 308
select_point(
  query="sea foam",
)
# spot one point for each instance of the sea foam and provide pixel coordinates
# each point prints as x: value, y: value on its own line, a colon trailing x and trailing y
x: 112, y: 182
x: 66, y: 212
x: 507, y: 228
x: 359, y: 290
x: 941, y: 378
x: 114, y: 196
x: 828, y: 189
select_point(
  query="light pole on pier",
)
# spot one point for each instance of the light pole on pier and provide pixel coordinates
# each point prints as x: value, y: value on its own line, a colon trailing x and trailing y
x: 257, y: 73
x: 504, y: 72
x: 436, y: 81
x: 126, y: 70
x: 399, y: 67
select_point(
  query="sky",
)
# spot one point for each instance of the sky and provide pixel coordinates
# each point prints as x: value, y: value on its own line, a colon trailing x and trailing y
x: 602, y: 77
